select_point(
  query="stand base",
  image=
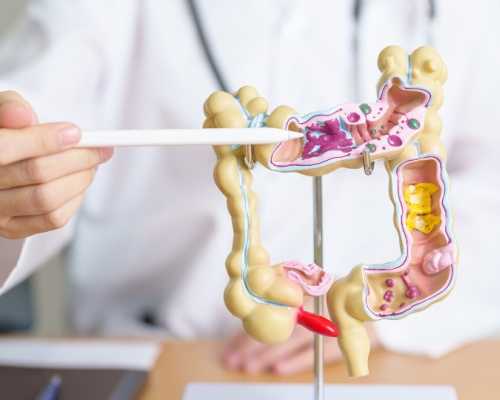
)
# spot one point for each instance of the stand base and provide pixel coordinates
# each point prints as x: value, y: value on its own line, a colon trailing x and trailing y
x: 245, y: 391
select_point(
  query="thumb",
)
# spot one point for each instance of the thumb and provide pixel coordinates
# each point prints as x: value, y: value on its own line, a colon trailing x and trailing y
x: 15, y: 111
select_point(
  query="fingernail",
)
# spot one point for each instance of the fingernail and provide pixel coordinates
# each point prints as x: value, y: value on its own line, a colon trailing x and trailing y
x: 69, y: 135
x: 106, y: 153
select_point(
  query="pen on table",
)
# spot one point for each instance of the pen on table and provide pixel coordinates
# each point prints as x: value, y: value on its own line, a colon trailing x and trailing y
x: 176, y: 137
x: 51, y: 391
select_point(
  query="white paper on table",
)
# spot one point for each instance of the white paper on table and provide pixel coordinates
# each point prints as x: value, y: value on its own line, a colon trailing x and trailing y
x: 233, y: 391
x: 79, y: 353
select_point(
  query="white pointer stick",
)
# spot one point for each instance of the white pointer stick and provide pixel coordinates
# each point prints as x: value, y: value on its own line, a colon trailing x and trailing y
x: 175, y: 137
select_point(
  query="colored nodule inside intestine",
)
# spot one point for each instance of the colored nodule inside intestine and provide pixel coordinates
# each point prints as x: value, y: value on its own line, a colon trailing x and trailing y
x: 418, y: 198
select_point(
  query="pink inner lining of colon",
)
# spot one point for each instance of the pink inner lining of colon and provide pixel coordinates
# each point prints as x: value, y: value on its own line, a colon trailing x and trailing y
x: 314, y: 280
x: 419, y: 286
x: 345, y: 132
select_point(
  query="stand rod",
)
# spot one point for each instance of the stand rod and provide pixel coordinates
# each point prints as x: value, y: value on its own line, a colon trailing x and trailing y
x: 319, y: 384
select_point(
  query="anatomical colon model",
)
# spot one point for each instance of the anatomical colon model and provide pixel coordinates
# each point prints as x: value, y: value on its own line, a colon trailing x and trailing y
x: 403, y: 128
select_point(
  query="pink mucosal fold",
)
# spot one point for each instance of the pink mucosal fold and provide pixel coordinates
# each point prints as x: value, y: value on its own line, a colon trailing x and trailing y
x: 313, y: 279
x: 439, y: 259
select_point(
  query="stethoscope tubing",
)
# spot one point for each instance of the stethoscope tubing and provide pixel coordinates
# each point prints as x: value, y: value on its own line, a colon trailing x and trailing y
x: 357, y: 13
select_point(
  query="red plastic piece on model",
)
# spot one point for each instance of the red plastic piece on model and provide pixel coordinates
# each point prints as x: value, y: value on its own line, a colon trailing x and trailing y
x: 317, y: 323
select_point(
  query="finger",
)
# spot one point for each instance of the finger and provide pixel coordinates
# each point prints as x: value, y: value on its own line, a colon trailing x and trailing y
x: 48, y: 168
x: 304, y: 359
x: 299, y: 362
x: 332, y: 351
x: 45, y: 198
x: 233, y: 344
x: 246, y: 348
x: 36, y: 141
x: 15, y: 111
x: 22, y: 227
x: 230, y: 357
x: 273, y: 354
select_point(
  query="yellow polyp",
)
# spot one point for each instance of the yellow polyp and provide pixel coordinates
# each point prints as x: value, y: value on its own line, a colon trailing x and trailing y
x: 423, y: 223
x: 418, y: 197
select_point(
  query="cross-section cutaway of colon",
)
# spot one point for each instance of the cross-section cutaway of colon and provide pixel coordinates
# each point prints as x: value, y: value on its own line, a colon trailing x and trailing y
x: 401, y: 127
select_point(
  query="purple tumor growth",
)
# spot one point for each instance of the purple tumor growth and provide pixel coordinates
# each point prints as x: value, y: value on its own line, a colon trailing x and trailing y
x: 324, y: 136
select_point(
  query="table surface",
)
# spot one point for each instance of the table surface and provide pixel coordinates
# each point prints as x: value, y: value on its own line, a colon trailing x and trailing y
x: 473, y: 370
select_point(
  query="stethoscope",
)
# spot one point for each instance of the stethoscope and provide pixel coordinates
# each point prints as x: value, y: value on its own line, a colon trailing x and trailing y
x: 357, y: 13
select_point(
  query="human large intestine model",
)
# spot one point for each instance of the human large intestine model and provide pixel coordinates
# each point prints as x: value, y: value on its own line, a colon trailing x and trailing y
x: 403, y: 128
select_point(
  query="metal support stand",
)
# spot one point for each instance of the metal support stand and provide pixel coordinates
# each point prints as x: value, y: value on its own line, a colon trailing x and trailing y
x: 319, y: 383
x: 319, y: 302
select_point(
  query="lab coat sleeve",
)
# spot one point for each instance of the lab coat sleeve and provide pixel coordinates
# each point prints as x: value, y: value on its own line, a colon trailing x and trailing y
x: 53, y: 57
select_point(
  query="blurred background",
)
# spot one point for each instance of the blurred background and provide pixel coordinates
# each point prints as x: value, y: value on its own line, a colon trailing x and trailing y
x: 10, y: 11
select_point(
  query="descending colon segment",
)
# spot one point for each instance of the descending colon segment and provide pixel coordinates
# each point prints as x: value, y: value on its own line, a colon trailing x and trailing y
x: 422, y: 275
x: 425, y: 272
x: 397, y: 288
x: 403, y: 128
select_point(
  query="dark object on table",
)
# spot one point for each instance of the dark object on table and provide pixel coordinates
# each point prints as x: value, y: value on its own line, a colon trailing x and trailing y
x: 16, y: 308
x: 19, y: 383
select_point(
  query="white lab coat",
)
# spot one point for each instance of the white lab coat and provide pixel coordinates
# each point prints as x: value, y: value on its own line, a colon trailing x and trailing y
x: 153, y: 232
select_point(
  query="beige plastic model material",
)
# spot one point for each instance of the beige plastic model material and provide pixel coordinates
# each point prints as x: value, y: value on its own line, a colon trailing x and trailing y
x: 346, y: 298
x: 268, y: 299
x: 403, y: 128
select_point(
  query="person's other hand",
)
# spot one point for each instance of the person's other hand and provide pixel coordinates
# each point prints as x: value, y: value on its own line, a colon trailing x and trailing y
x: 296, y: 355
x: 42, y: 177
